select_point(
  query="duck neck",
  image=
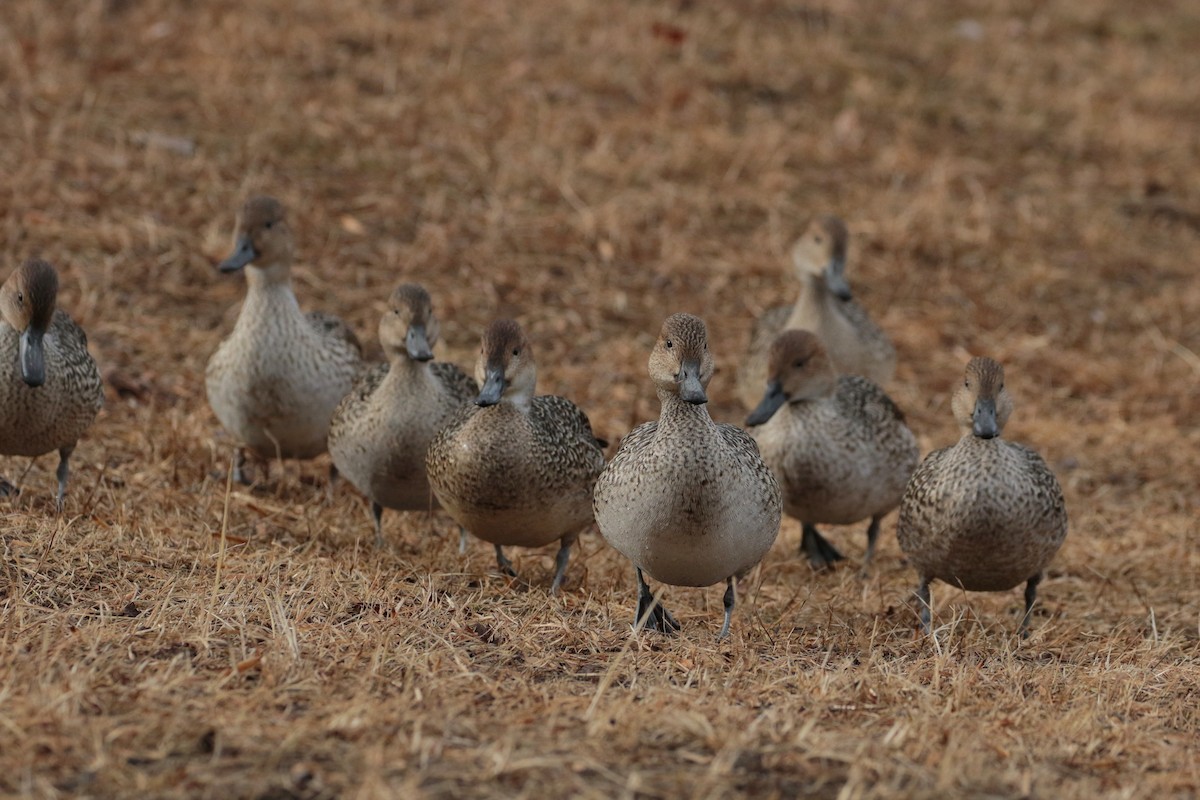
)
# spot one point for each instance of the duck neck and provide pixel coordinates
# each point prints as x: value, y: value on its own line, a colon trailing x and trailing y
x: 677, y: 411
x: 269, y: 296
x: 811, y: 305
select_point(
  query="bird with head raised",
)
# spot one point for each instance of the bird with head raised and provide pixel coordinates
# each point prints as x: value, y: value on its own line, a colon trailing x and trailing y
x: 515, y: 468
x: 687, y: 500
x: 839, y: 446
x: 275, y: 380
x: 380, y: 432
x: 825, y: 306
x: 983, y: 514
x: 50, y: 389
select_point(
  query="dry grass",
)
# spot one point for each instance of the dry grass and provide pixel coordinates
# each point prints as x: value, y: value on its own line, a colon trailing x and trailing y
x: 1020, y: 181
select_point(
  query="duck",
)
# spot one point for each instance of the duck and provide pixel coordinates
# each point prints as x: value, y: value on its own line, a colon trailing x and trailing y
x: 380, y: 432
x: 838, y: 445
x: 687, y: 500
x: 275, y: 381
x: 984, y: 514
x: 515, y: 468
x: 50, y: 385
x: 825, y: 306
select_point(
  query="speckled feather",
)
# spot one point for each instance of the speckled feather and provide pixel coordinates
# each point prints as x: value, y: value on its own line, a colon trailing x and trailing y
x: 514, y: 477
x: 54, y: 415
x: 380, y: 432
x: 983, y: 514
x: 840, y: 458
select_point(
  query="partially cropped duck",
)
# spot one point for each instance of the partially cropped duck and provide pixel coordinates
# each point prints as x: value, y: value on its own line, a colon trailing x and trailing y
x: 380, y: 433
x: 687, y: 500
x: 50, y: 387
x: 276, y: 379
x: 838, y: 445
x: 513, y: 468
x: 984, y: 514
x: 825, y: 306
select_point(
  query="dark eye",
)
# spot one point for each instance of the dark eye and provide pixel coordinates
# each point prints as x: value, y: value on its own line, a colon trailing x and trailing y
x: 268, y: 225
x: 516, y: 352
x: 966, y: 384
x: 20, y: 297
x: 818, y: 239
x: 798, y: 364
x: 670, y: 344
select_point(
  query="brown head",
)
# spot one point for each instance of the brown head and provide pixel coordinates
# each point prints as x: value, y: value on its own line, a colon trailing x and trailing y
x: 680, y: 362
x: 409, y: 326
x: 27, y: 303
x: 799, y: 370
x: 821, y: 252
x: 262, y: 237
x: 982, y: 404
x: 505, y: 369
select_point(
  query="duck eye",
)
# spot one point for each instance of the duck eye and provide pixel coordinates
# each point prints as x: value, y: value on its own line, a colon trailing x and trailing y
x: 268, y: 224
x: 819, y: 239
x: 670, y: 344
x: 798, y: 363
x: 20, y: 297
x: 516, y: 352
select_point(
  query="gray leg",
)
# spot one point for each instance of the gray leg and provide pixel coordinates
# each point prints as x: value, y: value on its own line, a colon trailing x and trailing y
x: 821, y: 554
x: 63, y: 472
x: 462, y: 540
x: 506, y: 567
x: 730, y: 599
x: 560, y: 563
x: 872, y: 536
x: 377, y: 515
x: 923, y: 599
x: 650, y: 613
x: 1030, y: 598
x: 239, y: 466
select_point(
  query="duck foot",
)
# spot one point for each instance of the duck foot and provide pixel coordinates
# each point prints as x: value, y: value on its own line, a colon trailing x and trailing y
x: 654, y: 615
x: 821, y: 554
x: 8, y: 489
x: 506, y: 567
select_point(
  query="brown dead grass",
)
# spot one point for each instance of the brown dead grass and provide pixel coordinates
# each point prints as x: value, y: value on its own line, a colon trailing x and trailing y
x: 1020, y: 181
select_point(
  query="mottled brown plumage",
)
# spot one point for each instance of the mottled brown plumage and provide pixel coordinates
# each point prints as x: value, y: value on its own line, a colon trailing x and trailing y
x: 515, y: 469
x: 838, y: 445
x: 856, y: 345
x: 50, y: 388
x: 276, y: 379
x: 984, y: 514
x: 685, y: 499
x: 380, y: 432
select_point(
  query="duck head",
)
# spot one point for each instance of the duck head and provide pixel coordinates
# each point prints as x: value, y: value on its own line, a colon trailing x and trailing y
x: 262, y: 239
x: 680, y: 363
x: 821, y: 252
x: 27, y: 302
x: 505, y: 369
x: 982, y: 405
x: 409, y: 326
x: 799, y: 370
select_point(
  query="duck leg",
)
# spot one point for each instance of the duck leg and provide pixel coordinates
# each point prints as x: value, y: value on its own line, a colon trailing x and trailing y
x: 821, y: 554
x: 872, y: 536
x: 506, y: 567
x: 239, y: 467
x: 1031, y: 586
x: 377, y: 516
x: 560, y: 562
x: 923, y: 599
x: 651, y: 613
x: 729, y: 600
x: 63, y: 473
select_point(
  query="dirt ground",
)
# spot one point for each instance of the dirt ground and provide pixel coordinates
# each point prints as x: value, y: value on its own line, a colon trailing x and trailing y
x: 1020, y: 179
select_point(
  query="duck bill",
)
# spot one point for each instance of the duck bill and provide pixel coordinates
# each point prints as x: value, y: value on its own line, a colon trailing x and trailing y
x: 835, y: 279
x: 984, y: 419
x: 691, y: 390
x: 243, y: 253
x: 417, y: 343
x: 494, y: 384
x: 33, y: 357
x: 773, y: 399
